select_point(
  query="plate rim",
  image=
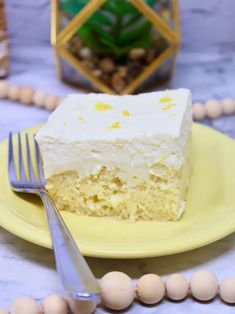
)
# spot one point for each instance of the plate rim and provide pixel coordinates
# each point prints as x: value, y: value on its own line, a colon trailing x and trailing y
x: 91, y: 251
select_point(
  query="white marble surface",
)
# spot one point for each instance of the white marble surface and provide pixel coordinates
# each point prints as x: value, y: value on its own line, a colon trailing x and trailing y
x: 26, y: 269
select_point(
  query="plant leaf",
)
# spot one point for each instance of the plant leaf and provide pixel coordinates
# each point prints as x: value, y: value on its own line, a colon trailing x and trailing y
x: 92, y: 41
x: 99, y: 18
x: 107, y: 42
x: 115, y: 28
x: 135, y: 34
x: 125, y: 7
x: 109, y: 6
x: 101, y: 33
x: 119, y: 7
x: 132, y: 18
x: 86, y: 35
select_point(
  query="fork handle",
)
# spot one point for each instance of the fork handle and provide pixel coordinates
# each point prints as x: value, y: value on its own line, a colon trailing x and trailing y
x: 73, y: 270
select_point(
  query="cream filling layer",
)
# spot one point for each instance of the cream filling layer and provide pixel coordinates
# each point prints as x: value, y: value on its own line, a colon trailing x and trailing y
x: 150, y: 135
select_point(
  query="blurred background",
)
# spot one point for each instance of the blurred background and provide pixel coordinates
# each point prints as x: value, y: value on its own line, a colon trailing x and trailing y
x: 205, y: 64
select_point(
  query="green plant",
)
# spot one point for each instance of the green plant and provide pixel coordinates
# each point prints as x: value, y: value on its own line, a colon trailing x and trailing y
x: 114, y: 29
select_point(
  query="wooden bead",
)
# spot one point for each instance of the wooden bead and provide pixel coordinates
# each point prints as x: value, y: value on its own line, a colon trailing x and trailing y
x: 55, y: 304
x: 26, y: 95
x: 227, y: 290
x: 213, y: 109
x: 3, y: 89
x: 59, y: 100
x: 228, y: 106
x: 13, y: 92
x: 117, y: 292
x: 39, y: 98
x: 177, y: 287
x: 204, y: 285
x: 51, y: 102
x: 150, y: 289
x: 25, y: 305
x: 81, y: 307
x: 199, y: 111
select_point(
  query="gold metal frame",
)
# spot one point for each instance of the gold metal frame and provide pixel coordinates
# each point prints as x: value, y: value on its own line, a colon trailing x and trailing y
x: 60, y: 38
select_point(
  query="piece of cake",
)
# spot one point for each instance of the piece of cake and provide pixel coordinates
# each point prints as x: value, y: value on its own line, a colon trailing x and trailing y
x: 126, y: 157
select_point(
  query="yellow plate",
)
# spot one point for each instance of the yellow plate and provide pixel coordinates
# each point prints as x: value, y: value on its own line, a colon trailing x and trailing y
x: 209, y: 216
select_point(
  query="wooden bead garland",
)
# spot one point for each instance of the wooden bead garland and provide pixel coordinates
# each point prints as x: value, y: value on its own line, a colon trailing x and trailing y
x: 117, y: 293
x: 39, y: 98
x: 28, y: 96
x: 212, y: 109
x: 51, y: 102
x: 228, y: 106
x: 199, y: 111
x: 3, y: 89
x: 12, y: 92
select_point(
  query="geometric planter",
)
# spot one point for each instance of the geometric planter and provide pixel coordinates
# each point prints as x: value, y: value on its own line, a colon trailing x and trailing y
x: 154, y: 65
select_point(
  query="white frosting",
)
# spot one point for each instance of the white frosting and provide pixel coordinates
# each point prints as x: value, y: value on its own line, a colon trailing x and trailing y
x: 79, y: 137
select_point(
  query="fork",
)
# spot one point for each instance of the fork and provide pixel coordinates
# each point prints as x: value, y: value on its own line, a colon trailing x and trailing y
x: 76, y: 276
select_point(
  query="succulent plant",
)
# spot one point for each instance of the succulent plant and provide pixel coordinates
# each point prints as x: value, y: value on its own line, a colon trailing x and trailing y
x: 114, y: 29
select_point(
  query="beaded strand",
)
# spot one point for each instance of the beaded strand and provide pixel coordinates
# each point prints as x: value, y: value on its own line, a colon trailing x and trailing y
x: 28, y: 96
x: 212, y: 109
x: 118, y: 293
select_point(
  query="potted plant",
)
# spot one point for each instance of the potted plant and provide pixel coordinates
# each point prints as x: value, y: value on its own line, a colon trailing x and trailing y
x: 118, y: 46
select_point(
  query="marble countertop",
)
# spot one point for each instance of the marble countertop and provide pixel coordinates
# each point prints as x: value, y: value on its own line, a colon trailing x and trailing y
x: 27, y: 269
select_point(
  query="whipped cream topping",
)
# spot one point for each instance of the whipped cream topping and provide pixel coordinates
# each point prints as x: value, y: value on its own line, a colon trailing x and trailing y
x: 129, y: 133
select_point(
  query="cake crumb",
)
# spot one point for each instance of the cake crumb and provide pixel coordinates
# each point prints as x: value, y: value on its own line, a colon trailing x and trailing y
x: 126, y: 113
x: 100, y: 106
x: 165, y: 100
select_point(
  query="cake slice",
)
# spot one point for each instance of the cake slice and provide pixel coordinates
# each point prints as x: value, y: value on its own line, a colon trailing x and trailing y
x: 126, y: 157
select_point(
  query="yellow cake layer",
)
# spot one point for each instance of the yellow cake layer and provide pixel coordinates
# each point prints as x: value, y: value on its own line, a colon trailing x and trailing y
x: 162, y: 197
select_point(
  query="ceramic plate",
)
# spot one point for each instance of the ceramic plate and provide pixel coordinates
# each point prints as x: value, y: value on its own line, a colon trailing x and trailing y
x: 209, y: 214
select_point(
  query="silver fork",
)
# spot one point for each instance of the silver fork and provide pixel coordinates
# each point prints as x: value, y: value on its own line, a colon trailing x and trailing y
x: 75, y: 274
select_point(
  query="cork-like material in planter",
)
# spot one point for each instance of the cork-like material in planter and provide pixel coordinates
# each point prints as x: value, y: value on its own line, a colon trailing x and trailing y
x: 154, y: 66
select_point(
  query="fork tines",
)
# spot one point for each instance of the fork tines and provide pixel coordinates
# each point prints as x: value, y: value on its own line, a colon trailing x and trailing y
x: 20, y: 171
